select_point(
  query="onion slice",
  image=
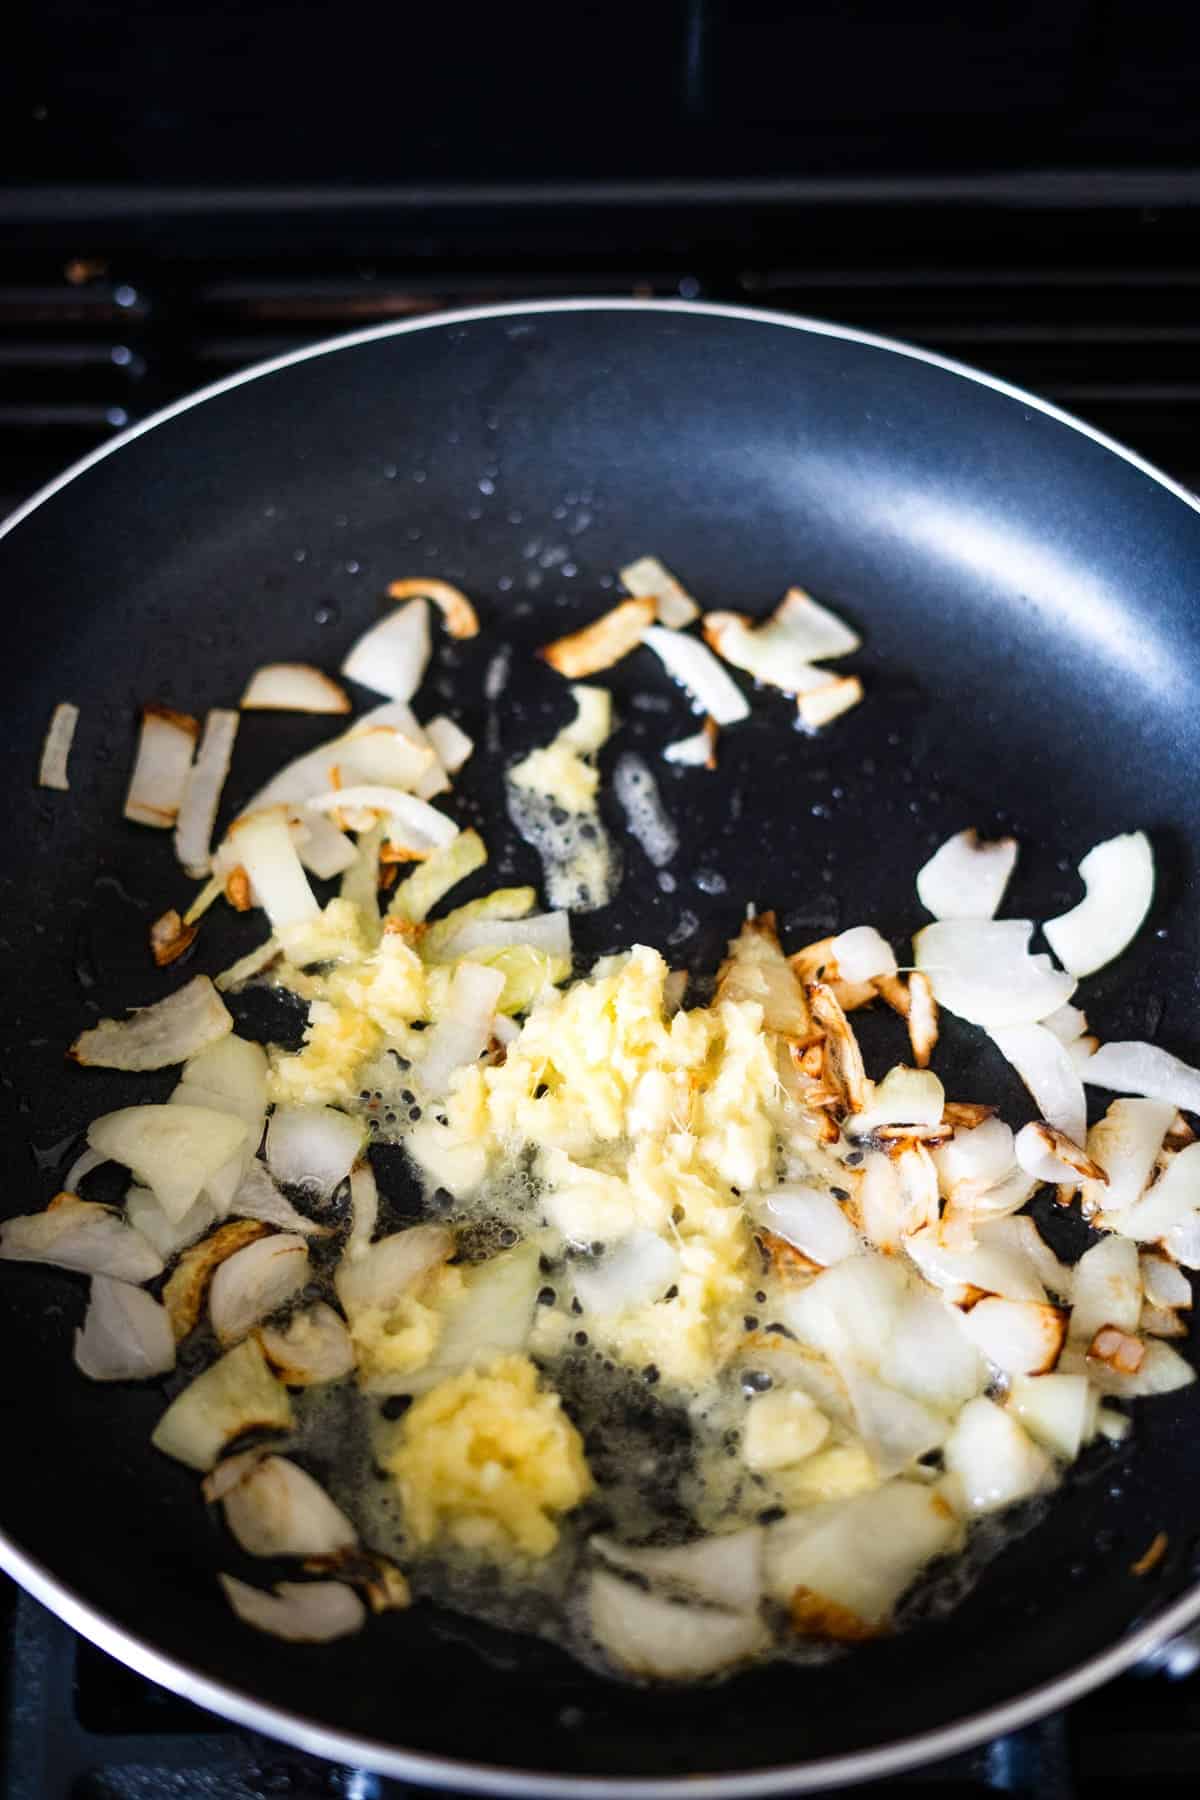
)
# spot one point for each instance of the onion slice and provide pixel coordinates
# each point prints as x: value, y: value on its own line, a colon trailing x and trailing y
x: 548, y: 932
x: 255, y: 1282
x: 812, y: 1220
x: 1049, y: 1155
x: 602, y: 643
x: 821, y: 705
x: 202, y: 792
x: 126, y: 1334
x: 861, y: 954
x: 1022, y: 1337
x: 461, y: 1035
x: 1106, y: 1289
x: 76, y: 1234
x: 60, y: 734
x: 299, y: 1612
x: 418, y: 822
x: 172, y: 1150
x: 451, y: 745
x: 312, y: 1348
x: 982, y: 970
x: 312, y: 1146
x: 393, y: 655
x: 995, y: 1460
x: 458, y: 615
x: 718, y: 1571
x: 967, y: 876
x: 647, y: 578
x: 1044, y: 1065
x: 1119, y: 878
x: 688, y: 662
x: 170, y: 1031
x: 238, y: 1393
x: 638, y: 1269
x: 696, y: 752
x: 277, y: 1509
x: 293, y: 687
x: 160, y: 771
x: 386, y: 1270
x: 648, y: 1635
x: 262, y: 843
x: 1132, y: 1067
x: 187, y: 1286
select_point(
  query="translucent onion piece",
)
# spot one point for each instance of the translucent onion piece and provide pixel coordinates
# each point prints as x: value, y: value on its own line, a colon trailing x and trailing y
x: 300, y: 1612
x: 976, y: 1158
x: 771, y: 657
x: 312, y: 1146
x: 602, y: 643
x: 967, y: 877
x: 698, y: 751
x: 75, y: 1234
x: 293, y: 687
x: 126, y: 1334
x: 930, y: 1356
x: 451, y: 745
x: 1163, y: 1283
x: 1067, y: 1024
x: 458, y: 615
x: 186, y: 1289
x: 364, y: 1210
x: 1021, y: 1237
x: 1182, y: 1242
x: 382, y: 755
x: 60, y: 734
x: 414, y: 821
x: 255, y: 1282
x: 1171, y: 1200
x: 719, y: 1571
x: 491, y: 1318
x: 904, y: 1097
x: 1022, y: 1337
x: 277, y: 1509
x: 638, y: 1269
x: 392, y: 657
x: 850, y: 1311
x: 202, y: 792
x: 688, y: 662
x: 262, y: 843
x: 1045, y: 1067
x: 895, y: 1428
x: 233, y: 1071
x: 248, y: 966
x: 647, y: 1635
x: 237, y: 1394
x: 1163, y: 1371
x: 821, y: 705
x: 1119, y: 878
x: 382, y: 1273
x: 548, y: 932
x: 415, y: 898
x: 1053, y: 1409
x: 1138, y: 1068
x: 756, y: 969
x: 988, y: 1268
x: 1106, y: 1289
x: 160, y: 771
x: 981, y: 969
x: 461, y: 1035
x: 842, y: 1571
x: 994, y: 1458
x: 168, y: 1236
x: 861, y: 954
x: 325, y: 851
x: 1049, y: 1155
x: 1125, y: 1143
x: 312, y: 1348
x: 648, y: 578
x: 173, y: 1150
x: 170, y: 1031
x: 812, y: 1220
x: 257, y: 1197
x: 81, y: 1168
x: 782, y: 1428
x: 881, y: 1202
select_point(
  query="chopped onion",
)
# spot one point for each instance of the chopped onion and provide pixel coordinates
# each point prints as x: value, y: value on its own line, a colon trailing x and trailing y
x: 930, y: 1355
x: 1138, y: 1068
x: 293, y: 687
x: 782, y: 1428
x: 458, y: 615
x: 1119, y: 1349
x: 821, y: 705
x: 312, y: 1348
x: 1022, y: 1337
x: 202, y: 792
x: 416, y: 897
x: 995, y: 1202
x: 464, y: 1030
x: 1171, y: 1200
x: 1160, y: 1322
x: 1045, y: 1067
x: 922, y: 1018
x: 382, y: 755
x: 849, y: 1311
x: 718, y: 1571
x: 170, y: 1031
x: 364, y: 1210
x: 52, y: 769
x: 234, y: 1073
x: 262, y: 844
x: 237, y: 1394
x: 1049, y: 1155
x: 602, y: 643
x: 451, y: 745
x: 417, y: 823
x: 1053, y: 1409
x: 1106, y: 1289
x: 982, y: 970
x: 81, y: 1168
x: 491, y: 1318
x: 257, y: 1197
x: 1182, y: 1242
x: 548, y: 932
x: 386, y: 1270
x: 650, y: 579
x: 299, y: 1612
x: 172, y: 1150
x: 647, y: 1635
x: 994, y: 1458
x: 1021, y: 1237
x: 246, y: 967
x: 187, y: 1286
x: 392, y: 656
x: 1068, y: 1024
x: 688, y: 662
x: 771, y: 657
x: 904, y: 1097
x: 756, y: 969
x: 1163, y: 1283
x: 126, y: 1335
x: 76, y: 1234
x: 861, y: 954
x: 895, y: 1428
x: 967, y: 877
x: 324, y: 850
x: 698, y: 751
x: 170, y: 937
x: 312, y: 1146
x: 277, y: 1509
x: 963, y: 1274
x: 813, y: 1221
x: 254, y: 1282
x: 975, y: 1159
x: 881, y: 1202
x: 168, y: 1236
x: 1163, y: 1371
x: 640, y: 1268
x: 1125, y: 1143
x: 1119, y: 878
x: 160, y: 771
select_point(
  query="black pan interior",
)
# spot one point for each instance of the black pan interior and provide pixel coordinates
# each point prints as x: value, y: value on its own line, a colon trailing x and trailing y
x: 1027, y: 603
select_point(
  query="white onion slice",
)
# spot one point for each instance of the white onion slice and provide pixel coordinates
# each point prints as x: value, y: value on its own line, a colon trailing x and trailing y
x: 262, y: 843
x: 381, y: 755
x: 651, y: 1636
x: 1068, y: 1024
x: 1021, y: 1237
x: 696, y: 752
x: 1022, y: 1337
x: 312, y: 1348
x: 881, y: 1202
x: 324, y: 850
x: 293, y: 687
x: 416, y: 822
x: 841, y: 1570
x: 170, y: 1149
x: 257, y: 1197
x: 491, y: 1318
x: 202, y: 792
x: 76, y: 1234
x: 1053, y: 1409
x: 850, y: 1310
x: 1163, y: 1283
x: 649, y: 579
x: 386, y: 1270
x: 254, y: 1282
x: 931, y: 1357
x: 160, y: 771
x: 861, y: 954
x: 995, y: 1268
x: 995, y: 1460
x: 126, y: 1334
x: 718, y: 1571
x: 157, y: 1036
x: 688, y: 662
x: 1125, y: 1143
x: 1049, y: 1155
x: 1169, y: 1203
x: 169, y: 1236
x: 1119, y: 878
x: 982, y: 970
x: 771, y: 657
x: 364, y: 1211
x: 1182, y: 1242
x: 60, y: 734
x: 393, y: 655
x: 1163, y: 1371
x: 1045, y: 1067
x: 967, y: 877
x: 248, y: 966
x: 904, y: 1097
x: 638, y: 1269
x: 299, y: 1612
x: 237, y: 1393
x: 1138, y: 1068
x: 821, y: 705
x: 783, y: 1428
x: 976, y: 1158
x: 81, y: 1168
x: 601, y: 643
x: 548, y: 932
x: 896, y: 1428
x: 451, y: 745
x: 277, y: 1509
x: 312, y: 1146
x: 1106, y: 1289
x: 458, y: 615
x: 812, y: 1220
x: 463, y: 1032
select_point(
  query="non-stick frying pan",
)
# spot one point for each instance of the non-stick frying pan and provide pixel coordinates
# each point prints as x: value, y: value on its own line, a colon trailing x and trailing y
x: 1027, y: 593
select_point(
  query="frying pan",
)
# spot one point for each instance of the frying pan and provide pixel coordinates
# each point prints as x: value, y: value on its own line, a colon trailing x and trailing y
x: 1026, y: 594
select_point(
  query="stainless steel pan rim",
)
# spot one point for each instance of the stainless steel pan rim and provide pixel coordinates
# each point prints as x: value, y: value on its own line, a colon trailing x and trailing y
x: 388, y: 1759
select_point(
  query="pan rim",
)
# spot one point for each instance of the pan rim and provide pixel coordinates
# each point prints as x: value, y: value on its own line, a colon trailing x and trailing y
x: 443, y: 1772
